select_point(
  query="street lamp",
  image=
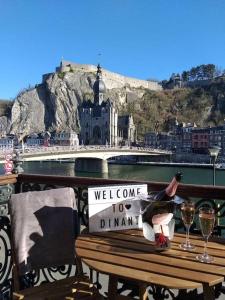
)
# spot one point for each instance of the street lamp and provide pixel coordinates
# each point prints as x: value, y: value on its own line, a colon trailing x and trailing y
x: 213, y: 152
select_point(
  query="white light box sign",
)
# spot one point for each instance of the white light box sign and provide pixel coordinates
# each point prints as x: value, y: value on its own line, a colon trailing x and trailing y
x: 115, y: 207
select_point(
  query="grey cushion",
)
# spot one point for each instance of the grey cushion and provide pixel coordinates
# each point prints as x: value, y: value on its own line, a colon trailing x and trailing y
x: 44, y: 225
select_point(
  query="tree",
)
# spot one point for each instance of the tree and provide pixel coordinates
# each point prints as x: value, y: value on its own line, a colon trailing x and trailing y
x: 193, y: 74
x: 185, y: 76
x: 201, y: 72
x: 209, y: 71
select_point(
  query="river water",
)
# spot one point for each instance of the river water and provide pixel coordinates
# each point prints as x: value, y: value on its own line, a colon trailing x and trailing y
x: 137, y: 172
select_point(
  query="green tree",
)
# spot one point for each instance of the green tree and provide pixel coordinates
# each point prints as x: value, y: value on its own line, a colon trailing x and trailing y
x: 209, y: 71
x: 185, y: 75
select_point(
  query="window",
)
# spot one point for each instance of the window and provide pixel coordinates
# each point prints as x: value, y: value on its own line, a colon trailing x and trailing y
x: 96, y: 132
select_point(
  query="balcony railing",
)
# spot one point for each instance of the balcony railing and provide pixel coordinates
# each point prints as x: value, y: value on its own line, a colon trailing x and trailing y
x: 213, y: 196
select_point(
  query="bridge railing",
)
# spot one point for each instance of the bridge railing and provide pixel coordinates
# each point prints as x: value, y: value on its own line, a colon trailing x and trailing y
x: 92, y: 147
x: 56, y: 149
x: 213, y: 196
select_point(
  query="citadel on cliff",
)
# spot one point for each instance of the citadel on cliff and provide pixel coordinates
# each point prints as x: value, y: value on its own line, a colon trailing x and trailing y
x: 111, y: 79
x: 58, y: 102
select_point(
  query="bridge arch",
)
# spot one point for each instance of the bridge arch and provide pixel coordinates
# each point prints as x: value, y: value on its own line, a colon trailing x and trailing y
x: 91, y: 165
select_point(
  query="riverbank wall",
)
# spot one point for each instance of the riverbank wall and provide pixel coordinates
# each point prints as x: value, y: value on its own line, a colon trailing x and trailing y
x: 179, y: 158
x: 191, y: 158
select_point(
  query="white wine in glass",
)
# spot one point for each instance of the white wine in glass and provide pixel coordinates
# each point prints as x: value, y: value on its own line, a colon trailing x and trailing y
x: 187, y: 214
x: 206, y: 221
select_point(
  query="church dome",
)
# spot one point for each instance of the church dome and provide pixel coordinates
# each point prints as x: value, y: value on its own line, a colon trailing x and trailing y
x: 99, y: 85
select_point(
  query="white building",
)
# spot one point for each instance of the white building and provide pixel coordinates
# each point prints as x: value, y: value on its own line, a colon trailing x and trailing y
x: 65, y: 138
x: 6, y: 143
x: 34, y: 140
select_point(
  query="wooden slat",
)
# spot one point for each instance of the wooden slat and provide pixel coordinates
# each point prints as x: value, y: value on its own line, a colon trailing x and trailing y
x: 153, y: 257
x: 175, y: 252
x: 198, y: 241
x: 141, y: 276
x: 119, y: 235
x: 214, y: 242
x: 8, y: 179
x: 57, y: 290
x: 175, y: 244
x: 156, y: 268
x: 129, y: 255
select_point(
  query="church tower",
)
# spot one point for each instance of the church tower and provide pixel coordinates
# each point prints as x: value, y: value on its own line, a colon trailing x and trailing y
x: 99, y: 120
x: 99, y: 87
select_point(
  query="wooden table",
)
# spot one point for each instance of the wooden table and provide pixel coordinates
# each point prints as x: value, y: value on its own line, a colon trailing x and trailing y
x: 128, y: 254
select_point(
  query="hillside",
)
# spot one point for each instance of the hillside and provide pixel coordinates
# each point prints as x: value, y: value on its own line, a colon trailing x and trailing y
x: 53, y: 104
x: 5, y: 115
x: 203, y: 105
x: 5, y: 107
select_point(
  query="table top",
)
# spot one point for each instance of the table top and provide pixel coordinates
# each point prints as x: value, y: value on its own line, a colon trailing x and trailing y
x: 128, y: 254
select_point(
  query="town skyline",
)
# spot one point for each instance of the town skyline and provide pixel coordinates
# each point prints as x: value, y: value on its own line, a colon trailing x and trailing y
x: 136, y: 39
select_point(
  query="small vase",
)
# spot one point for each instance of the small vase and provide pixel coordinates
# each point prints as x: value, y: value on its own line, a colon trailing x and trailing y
x: 162, y: 242
x: 160, y: 236
x: 163, y: 235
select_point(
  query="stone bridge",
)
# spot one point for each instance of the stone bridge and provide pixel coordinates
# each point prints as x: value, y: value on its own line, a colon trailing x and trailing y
x: 87, y: 158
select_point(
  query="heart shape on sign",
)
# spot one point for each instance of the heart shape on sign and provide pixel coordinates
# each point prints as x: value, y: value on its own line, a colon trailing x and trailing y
x: 128, y: 206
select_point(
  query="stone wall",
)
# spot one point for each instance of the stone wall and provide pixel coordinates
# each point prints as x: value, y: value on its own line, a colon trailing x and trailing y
x: 191, y: 158
x: 111, y: 79
x: 182, y: 158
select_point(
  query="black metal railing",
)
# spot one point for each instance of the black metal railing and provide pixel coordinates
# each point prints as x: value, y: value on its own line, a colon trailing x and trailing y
x: 212, y: 196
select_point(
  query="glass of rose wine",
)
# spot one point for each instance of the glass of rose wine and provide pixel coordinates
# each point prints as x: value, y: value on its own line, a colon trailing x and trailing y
x: 206, y: 221
x: 187, y: 215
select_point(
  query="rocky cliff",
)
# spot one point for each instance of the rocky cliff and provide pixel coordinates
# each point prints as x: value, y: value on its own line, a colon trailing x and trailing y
x: 53, y: 104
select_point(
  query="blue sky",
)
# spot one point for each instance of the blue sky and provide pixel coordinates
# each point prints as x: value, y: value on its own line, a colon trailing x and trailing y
x: 138, y: 38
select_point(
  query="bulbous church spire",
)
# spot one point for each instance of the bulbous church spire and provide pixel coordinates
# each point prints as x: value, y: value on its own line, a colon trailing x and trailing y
x: 99, y: 87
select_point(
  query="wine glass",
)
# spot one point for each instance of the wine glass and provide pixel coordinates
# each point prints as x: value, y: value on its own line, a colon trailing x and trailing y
x: 206, y: 221
x: 187, y: 214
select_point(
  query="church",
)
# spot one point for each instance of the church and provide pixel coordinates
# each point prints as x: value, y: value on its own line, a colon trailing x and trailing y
x: 99, y: 120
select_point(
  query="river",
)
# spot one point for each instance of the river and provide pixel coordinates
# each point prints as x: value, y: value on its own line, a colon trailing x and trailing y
x: 137, y: 172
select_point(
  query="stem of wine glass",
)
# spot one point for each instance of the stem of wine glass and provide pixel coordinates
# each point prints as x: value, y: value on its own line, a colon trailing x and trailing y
x: 205, y: 247
x: 187, y: 235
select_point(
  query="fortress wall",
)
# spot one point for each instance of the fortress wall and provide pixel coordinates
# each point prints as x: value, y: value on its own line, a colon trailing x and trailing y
x: 80, y: 67
x: 112, y: 80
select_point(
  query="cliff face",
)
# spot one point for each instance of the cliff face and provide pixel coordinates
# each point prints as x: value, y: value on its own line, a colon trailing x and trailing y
x: 53, y: 105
